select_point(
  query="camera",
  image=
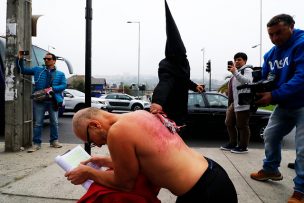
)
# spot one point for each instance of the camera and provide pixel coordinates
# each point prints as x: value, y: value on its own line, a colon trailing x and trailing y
x: 256, y: 87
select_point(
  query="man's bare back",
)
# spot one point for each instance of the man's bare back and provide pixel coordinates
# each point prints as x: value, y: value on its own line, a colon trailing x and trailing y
x: 139, y: 143
x: 178, y: 166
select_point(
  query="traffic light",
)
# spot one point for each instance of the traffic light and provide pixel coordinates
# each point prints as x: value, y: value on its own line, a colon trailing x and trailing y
x: 208, y: 66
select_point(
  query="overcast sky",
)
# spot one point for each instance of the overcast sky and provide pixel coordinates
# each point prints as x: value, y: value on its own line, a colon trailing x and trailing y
x: 221, y: 27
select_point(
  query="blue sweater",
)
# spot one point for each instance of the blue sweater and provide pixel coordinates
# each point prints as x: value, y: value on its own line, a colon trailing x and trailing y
x: 40, y: 74
x: 286, y: 64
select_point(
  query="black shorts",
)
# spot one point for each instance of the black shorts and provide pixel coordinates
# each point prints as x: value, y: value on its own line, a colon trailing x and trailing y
x: 214, y: 186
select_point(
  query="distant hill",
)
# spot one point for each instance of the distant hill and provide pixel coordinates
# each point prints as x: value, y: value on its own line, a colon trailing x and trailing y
x: 150, y: 80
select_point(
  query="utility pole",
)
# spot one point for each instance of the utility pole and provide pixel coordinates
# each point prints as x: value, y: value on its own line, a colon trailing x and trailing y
x: 18, y: 106
x: 88, y: 59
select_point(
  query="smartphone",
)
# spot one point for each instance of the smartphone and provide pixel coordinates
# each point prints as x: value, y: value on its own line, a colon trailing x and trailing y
x: 229, y: 63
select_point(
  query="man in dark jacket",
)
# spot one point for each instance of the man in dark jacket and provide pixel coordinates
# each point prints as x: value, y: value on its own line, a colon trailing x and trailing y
x: 171, y: 93
x: 53, y: 82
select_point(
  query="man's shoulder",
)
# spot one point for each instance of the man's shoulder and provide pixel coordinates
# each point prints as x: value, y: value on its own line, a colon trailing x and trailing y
x: 59, y: 72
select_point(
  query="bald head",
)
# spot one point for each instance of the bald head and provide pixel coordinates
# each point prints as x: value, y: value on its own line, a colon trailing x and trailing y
x: 81, y: 120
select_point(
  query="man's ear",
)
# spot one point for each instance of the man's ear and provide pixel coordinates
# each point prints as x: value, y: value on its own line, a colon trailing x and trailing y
x: 95, y: 124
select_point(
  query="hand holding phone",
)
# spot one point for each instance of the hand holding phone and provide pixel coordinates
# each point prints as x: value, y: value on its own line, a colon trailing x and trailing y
x: 229, y: 63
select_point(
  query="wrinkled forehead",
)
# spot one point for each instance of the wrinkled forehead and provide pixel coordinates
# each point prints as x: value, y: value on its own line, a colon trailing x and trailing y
x: 281, y: 26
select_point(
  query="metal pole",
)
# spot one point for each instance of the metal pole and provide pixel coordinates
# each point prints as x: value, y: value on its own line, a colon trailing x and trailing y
x: 261, y: 21
x: 203, y: 50
x: 138, y: 74
x: 138, y: 63
x: 88, y: 59
x: 210, y: 80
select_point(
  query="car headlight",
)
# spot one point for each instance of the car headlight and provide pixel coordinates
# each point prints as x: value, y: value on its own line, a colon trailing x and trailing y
x: 94, y: 102
x: 102, y: 102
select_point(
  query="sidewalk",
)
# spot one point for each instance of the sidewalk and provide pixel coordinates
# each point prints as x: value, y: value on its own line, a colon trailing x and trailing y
x: 34, y: 177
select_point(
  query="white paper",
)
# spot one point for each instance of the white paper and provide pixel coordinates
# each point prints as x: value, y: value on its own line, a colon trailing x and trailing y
x: 72, y: 158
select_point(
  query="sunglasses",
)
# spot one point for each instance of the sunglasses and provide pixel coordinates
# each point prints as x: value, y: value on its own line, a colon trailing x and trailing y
x: 47, y: 59
x: 89, y: 142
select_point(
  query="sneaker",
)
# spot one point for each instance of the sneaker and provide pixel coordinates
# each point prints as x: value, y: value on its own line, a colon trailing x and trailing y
x: 55, y: 144
x: 297, y: 197
x: 239, y: 150
x: 228, y: 147
x: 263, y: 176
x: 34, y: 148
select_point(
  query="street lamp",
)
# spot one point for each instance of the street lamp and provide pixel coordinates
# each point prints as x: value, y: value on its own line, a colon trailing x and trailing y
x: 261, y: 21
x: 203, y: 50
x: 138, y: 22
x: 255, y: 46
x: 49, y: 46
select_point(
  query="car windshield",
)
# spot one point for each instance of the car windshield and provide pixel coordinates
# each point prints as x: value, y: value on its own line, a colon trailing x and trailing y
x: 77, y: 93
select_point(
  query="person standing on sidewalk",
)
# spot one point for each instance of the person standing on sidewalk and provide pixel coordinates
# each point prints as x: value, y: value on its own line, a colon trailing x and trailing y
x: 53, y: 82
x: 170, y: 95
x: 237, y: 116
x: 285, y: 64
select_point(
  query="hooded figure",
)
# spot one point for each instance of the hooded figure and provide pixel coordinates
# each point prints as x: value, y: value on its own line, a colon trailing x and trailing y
x: 171, y: 93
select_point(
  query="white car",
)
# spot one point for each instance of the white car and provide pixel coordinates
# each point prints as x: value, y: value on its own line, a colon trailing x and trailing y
x: 75, y: 100
x: 120, y: 101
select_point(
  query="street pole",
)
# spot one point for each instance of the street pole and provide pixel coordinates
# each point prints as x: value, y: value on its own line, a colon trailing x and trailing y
x: 261, y: 21
x: 88, y: 60
x: 138, y: 63
x: 50, y: 47
x: 210, y: 80
x: 18, y: 106
x: 203, y: 50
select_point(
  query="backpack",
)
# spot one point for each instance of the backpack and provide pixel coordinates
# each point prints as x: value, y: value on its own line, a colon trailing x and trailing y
x: 256, y: 73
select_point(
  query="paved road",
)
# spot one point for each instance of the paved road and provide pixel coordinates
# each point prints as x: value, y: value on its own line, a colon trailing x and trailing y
x: 67, y: 136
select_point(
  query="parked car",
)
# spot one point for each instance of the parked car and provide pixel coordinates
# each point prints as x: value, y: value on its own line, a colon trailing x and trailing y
x: 120, y: 101
x: 207, y: 113
x: 75, y: 100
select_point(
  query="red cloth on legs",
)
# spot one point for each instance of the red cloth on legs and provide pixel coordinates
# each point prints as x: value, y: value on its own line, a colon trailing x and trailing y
x: 143, y: 192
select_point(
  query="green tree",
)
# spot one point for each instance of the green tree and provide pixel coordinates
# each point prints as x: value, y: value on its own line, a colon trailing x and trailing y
x: 224, y: 87
x: 78, y: 84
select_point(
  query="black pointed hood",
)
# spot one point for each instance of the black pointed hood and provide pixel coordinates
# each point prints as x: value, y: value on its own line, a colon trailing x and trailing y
x: 174, y: 45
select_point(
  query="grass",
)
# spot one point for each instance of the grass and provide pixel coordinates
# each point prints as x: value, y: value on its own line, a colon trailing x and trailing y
x: 269, y: 107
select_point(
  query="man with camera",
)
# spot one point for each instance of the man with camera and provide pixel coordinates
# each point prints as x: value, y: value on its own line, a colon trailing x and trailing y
x: 237, y: 116
x: 285, y: 63
x: 47, y: 96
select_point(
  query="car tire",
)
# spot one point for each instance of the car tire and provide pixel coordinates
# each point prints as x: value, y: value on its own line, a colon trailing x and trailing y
x: 79, y: 107
x: 261, y: 132
x: 136, y: 107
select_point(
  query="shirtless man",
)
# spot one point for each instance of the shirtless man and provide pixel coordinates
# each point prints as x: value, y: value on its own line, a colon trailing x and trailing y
x: 138, y: 142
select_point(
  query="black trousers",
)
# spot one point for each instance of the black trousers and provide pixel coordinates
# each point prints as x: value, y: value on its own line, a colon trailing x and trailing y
x: 214, y: 186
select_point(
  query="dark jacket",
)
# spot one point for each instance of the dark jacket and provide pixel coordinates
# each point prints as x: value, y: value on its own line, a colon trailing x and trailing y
x: 172, y: 90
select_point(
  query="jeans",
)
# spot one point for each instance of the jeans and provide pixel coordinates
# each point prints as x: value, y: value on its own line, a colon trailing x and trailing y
x: 281, y: 122
x: 39, y: 110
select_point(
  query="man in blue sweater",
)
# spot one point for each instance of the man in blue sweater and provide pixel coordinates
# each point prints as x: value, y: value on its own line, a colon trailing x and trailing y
x: 284, y: 64
x: 53, y: 82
